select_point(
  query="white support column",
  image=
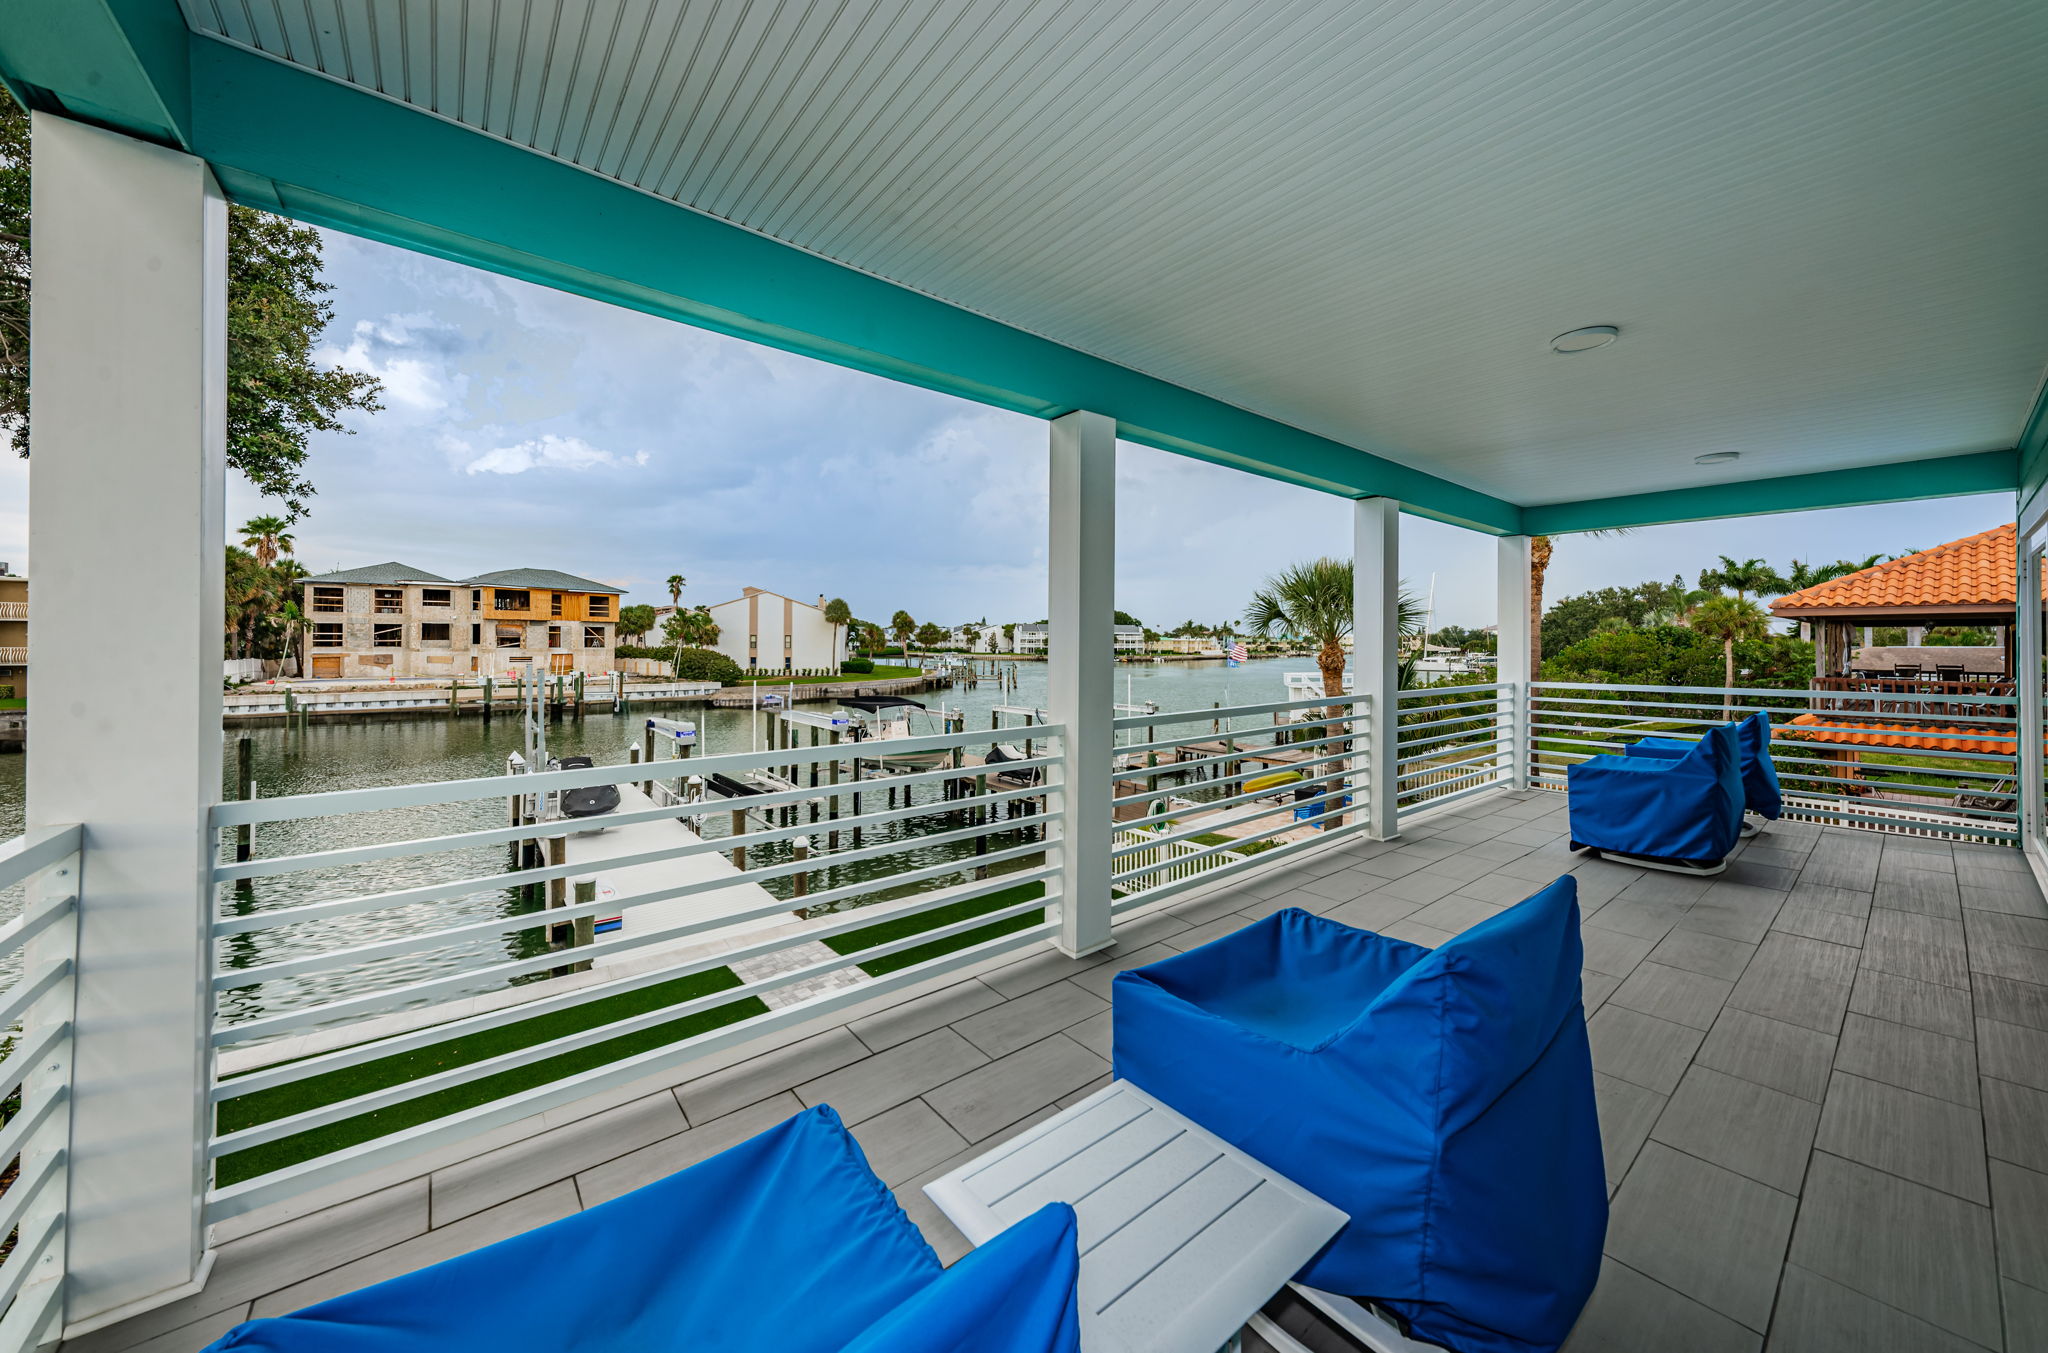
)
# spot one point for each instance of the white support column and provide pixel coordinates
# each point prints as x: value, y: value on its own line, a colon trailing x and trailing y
x: 126, y: 494
x: 1376, y: 653
x: 1081, y: 666
x: 2030, y: 679
x: 1512, y: 668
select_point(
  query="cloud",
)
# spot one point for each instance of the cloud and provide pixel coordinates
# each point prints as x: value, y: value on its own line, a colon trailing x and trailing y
x: 548, y: 452
x: 411, y: 354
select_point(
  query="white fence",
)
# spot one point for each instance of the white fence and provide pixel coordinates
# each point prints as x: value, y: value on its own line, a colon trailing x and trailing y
x: 948, y: 839
x: 1924, y: 765
x: 43, y: 940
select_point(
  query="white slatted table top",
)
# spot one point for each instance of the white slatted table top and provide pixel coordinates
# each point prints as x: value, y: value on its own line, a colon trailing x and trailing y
x: 1182, y: 1235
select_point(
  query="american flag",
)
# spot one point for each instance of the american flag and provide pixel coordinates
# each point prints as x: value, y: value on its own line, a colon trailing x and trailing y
x: 1236, y: 654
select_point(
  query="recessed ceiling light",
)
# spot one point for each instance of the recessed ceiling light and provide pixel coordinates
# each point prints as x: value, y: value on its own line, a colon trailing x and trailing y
x: 1717, y: 458
x: 1586, y: 339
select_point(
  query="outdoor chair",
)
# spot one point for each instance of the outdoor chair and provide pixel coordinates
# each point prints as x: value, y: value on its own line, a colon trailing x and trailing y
x: 1682, y: 814
x: 1444, y: 1100
x: 787, y: 1241
x: 1760, y: 794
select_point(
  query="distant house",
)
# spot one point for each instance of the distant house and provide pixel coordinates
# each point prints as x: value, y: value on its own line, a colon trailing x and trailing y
x: 766, y: 631
x: 13, y: 633
x: 1127, y: 638
x: 981, y: 638
x: 395, y: 620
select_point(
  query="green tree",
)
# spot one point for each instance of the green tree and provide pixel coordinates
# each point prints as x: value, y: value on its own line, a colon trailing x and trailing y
x: 1540, y: 550
x: 1313, y: 601
x: 1730, y: 619
x: 930, y: 635
x: 838, y: 615
x: 277, y: 395
x: 269, y: 537
x: 676, y: 583
x: 1744, y: 576
x: 1126, y: 618
x: 902, y: 627
x: 635, y: 621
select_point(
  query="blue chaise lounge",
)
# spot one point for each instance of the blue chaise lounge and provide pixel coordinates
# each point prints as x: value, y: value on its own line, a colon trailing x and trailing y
x: 1760, y: 794
x: 1682, y: 813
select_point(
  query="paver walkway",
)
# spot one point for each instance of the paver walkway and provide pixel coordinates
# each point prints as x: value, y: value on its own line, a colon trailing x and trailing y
x: 1823, y: 1084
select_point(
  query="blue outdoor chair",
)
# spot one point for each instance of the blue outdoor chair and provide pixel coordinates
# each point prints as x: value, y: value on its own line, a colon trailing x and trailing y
x: 787, y: 1242
x: 1444, y: 1100
x: 1683, y: 813
x: 1759, y: 776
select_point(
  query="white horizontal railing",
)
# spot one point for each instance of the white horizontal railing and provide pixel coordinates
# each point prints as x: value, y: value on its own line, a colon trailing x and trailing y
x: 1835, y: 751
x: 963, y: 867
x: 1191, y: 809
x: 35, y: 1080
x: 1452, y: 742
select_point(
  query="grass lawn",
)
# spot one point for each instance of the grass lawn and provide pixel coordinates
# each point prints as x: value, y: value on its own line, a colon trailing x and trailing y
x: 285, y: 1100
x: 880, y: 673
x: 14, y: 702
x: 883, y: 931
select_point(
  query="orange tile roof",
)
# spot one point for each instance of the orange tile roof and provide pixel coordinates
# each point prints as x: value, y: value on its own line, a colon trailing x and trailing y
x: 1919, y: 738
x: 1977, y: 570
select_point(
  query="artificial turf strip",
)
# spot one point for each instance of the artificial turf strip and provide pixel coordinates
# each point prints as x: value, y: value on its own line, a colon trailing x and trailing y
x: 853, y: 941
x: 315, y: 1091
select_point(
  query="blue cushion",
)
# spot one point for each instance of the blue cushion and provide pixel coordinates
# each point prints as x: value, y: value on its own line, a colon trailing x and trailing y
x: 1687, y: 809
x: 1444, y: 1100
x: 1760, y: 793
x: 787, y: 1241
x: 1016, y: 1294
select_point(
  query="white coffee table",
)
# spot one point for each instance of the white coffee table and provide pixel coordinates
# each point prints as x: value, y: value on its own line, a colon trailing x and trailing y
x: 1183, y: 1236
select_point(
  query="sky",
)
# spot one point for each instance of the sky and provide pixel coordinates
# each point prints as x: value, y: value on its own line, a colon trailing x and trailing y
x: 529, y: 427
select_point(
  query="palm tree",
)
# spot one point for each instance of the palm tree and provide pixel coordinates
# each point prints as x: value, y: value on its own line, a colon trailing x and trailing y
x: 1729, y: 619
x: 268, y: 537
x: 675, y: 589
x: 838, y: 615
x: 1744, y: 576
x: 902, y: 627
x: 1539, y: 566
x: 1313, y: 601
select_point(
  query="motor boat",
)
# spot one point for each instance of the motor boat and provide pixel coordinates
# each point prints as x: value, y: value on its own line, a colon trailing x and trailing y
x: 889, y: 718
x: 589, y: 800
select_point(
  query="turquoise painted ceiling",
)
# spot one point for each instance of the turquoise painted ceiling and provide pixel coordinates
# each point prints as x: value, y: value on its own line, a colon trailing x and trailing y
x: 1819, y: 226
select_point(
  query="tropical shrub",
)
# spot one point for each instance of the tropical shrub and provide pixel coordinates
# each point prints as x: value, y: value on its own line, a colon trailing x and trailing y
x: 857, y: 666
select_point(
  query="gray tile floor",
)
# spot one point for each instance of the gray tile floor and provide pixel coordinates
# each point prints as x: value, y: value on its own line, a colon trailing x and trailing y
x: 1822, y: 1077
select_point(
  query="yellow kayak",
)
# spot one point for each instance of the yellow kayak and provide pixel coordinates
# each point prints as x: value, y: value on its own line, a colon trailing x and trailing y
x: 1259, y: 783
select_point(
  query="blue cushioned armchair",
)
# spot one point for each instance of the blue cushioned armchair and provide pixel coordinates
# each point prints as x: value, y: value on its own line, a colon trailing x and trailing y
x: 1682, y: 813
x: 787, y: 1242
x: 1444, y: 1100
x: 1759, y: 775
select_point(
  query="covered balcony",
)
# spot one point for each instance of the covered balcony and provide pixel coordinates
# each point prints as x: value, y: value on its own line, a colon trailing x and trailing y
x: 1526, y: 269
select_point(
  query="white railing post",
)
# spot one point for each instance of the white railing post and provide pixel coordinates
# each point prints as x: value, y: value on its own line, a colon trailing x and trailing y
x: 127, y: 494
x: 55, y: 947
x: 1512, y: 667
x: 1081, y: 667
x: 2028, y: 688
x: 1376, y: 655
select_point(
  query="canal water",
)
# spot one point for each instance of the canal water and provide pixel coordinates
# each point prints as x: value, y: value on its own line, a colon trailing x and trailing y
x: 411, y: 751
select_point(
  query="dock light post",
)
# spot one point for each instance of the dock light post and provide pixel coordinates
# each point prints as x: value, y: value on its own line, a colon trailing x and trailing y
x: 1081, y: 669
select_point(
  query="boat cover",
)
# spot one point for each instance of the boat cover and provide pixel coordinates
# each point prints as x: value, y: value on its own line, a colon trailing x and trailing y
x: 1687, y: 810
x: 1759, y: 776
x: 1444, y: 1100
x: 787, y: 1241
